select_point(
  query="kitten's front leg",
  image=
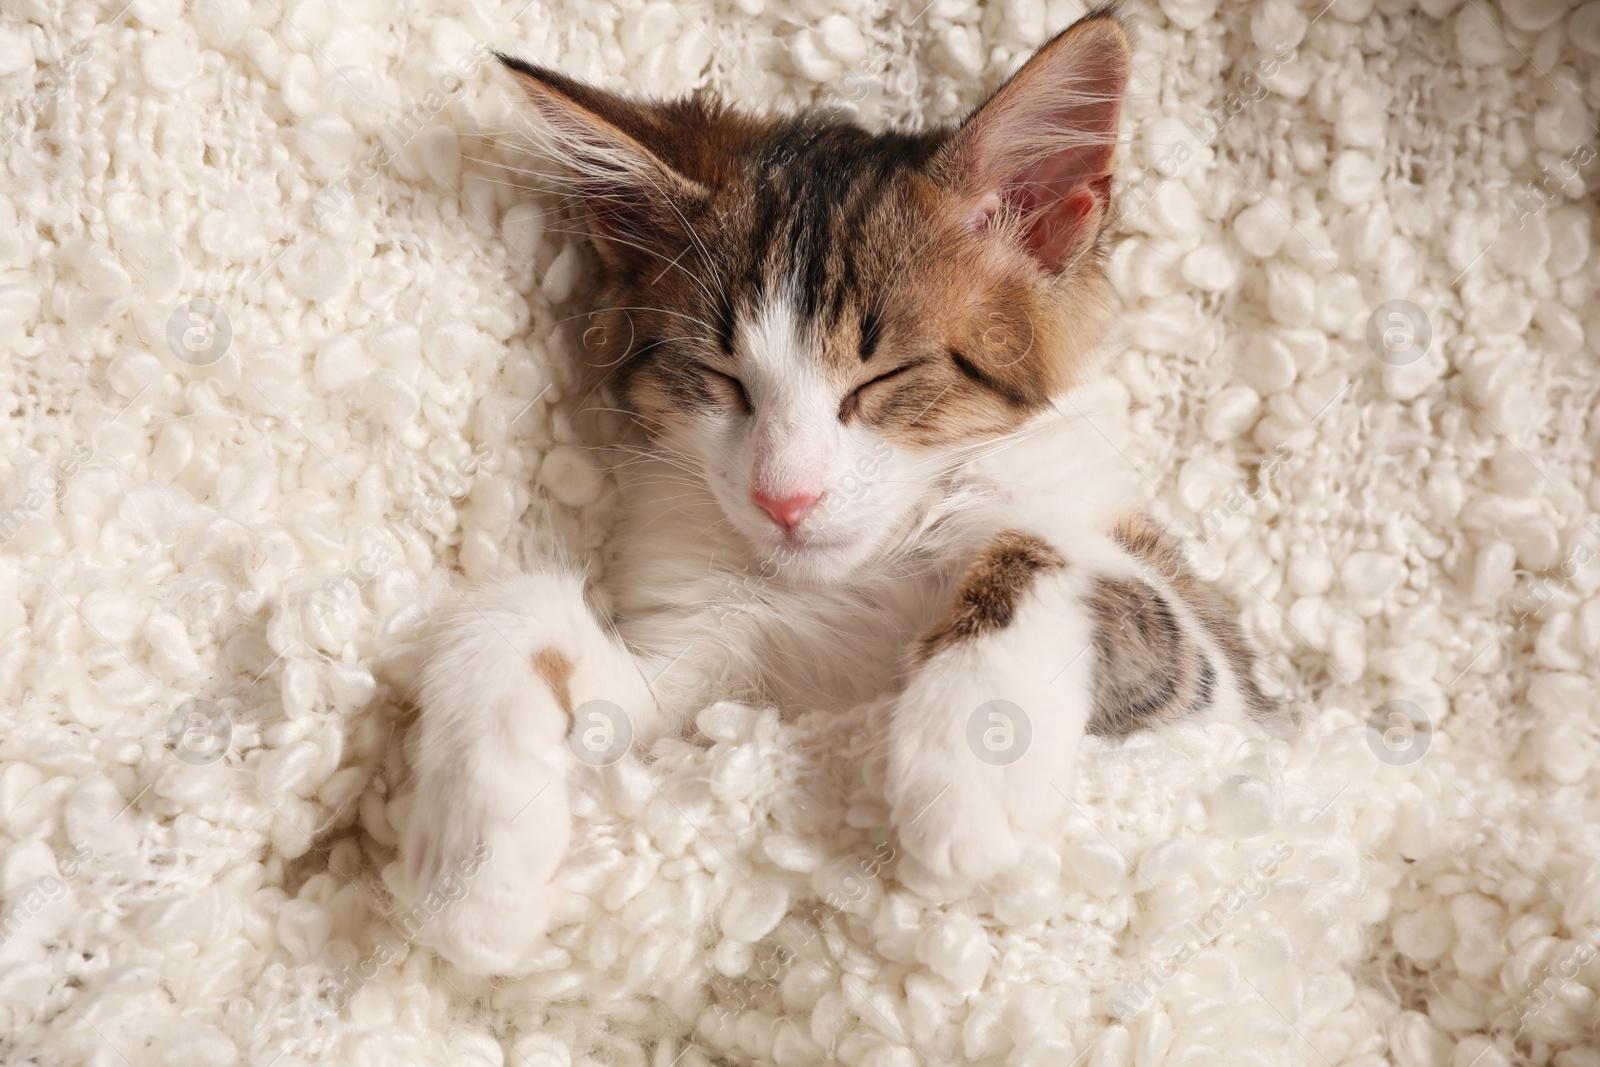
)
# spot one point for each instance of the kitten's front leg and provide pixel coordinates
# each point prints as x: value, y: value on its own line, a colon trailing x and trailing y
x: 1034, y: 651
x: 983, y: 741
x: 507, y: 674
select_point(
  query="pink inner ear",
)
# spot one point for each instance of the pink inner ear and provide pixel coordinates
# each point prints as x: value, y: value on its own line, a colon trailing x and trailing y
x: 1063, y: 200
x: 1041, y: 148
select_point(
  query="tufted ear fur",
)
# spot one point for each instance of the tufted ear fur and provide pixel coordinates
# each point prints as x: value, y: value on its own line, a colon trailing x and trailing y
x: 1040, y: 150
x: 645, y: 169
x: 633, y: 198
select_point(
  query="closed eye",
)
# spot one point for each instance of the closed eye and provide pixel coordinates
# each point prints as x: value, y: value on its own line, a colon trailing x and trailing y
x: 850, y: 404
x: 726, y: 387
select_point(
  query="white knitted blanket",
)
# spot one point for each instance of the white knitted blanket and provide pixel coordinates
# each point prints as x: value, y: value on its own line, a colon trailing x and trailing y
x: 283, y: 362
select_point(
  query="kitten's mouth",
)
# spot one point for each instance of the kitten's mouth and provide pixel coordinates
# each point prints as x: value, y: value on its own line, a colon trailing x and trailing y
x: 826, y: 559
x: 802, y: 546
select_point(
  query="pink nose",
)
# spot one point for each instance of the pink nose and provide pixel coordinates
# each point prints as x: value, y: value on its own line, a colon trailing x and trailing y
x: 789, y: 511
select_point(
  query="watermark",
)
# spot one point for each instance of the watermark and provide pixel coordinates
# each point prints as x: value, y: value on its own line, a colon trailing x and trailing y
x: 1399, y: 732
x: 199, y: 732
x: 47, y: 890
x: 1140, y: 188
x: 1532, y: 198
x: 1399, y: 332
x: 745, y: 591
x: 1221, y: 511
x: 1535, y: 594
x: 842, y: 104
x: 855, y: 482
x: 451, y: 887
x: 456, y: 483
x: 601, y: 733
x: 1538, y: 995
x: 1139, y: 994
x: 857, y: 85
x: 999, y: 732
x: 52, y: 483
x: 397, y: 133
x: 199, y: 332
x: 794, y: 936
x: 54, y: 81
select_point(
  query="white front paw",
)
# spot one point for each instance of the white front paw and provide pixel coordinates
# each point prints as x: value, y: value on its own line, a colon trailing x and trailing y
x: 956, y: 828
x: 982, y: 743
x: 970, y: 777
x: 481, y: 858
x: 508, y: 675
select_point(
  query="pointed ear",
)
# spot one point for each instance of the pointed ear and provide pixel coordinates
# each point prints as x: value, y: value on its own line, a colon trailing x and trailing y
x: 1039, y: 150
x: 633, y: 198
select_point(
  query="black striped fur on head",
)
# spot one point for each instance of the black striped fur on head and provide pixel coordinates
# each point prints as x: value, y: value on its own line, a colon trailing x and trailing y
x: 948, y: 284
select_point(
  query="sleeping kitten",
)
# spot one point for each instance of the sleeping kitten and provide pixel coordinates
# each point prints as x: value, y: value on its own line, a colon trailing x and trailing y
x: 841, y: 353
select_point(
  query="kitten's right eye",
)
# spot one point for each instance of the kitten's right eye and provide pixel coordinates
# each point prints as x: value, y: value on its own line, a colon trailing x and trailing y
x: 728, y: 390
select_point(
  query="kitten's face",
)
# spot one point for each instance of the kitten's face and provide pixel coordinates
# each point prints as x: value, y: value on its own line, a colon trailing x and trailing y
x: 820, y: 322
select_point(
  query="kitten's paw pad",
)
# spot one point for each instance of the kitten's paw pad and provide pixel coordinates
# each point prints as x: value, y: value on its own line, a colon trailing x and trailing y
x: 494, y: 934
x: 959, y: 835
x: 483, y: 888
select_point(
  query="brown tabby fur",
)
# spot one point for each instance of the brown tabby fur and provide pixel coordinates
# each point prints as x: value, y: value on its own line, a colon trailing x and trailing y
x: 957, y: 336
x: 932, y: 334
x: 987, y: 597
x: 1147, y: 541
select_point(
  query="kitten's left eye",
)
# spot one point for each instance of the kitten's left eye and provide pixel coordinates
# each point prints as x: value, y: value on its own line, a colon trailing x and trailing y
x: 728, y: 390
x: 852, y: 403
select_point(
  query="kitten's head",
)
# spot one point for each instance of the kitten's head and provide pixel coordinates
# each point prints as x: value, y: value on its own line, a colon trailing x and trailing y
x: 822, y: 321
